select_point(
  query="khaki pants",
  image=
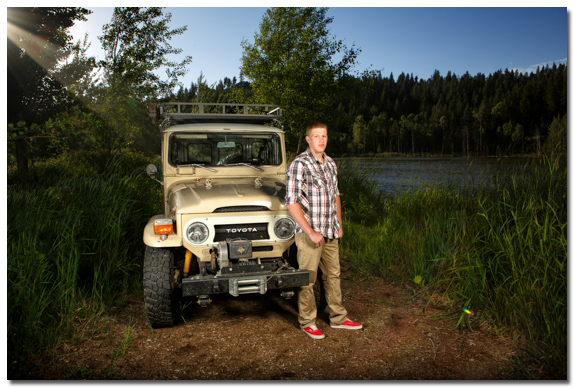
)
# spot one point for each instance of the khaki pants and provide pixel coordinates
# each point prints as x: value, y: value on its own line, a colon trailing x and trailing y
x: 327, y: 258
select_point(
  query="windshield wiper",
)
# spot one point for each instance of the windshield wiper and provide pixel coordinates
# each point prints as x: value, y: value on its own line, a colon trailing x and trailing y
x: 197, y: 165
x: 245, y: 165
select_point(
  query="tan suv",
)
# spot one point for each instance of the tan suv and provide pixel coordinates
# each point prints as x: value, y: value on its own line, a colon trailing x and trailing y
x: 225, y: 227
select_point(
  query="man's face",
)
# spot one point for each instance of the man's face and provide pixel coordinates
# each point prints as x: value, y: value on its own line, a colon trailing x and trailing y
x: 317, y: 140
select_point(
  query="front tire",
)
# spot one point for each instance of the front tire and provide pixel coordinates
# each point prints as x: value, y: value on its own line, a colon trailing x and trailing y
x: 160, y: 290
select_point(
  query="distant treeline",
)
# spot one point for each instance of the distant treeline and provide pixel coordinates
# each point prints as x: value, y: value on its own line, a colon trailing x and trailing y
x: 505, y: 113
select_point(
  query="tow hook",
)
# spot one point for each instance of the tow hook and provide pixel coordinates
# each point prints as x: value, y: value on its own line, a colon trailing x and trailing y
x: 204, y: 300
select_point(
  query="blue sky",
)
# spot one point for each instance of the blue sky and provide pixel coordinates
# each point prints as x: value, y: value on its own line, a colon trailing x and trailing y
x: 411, y: 40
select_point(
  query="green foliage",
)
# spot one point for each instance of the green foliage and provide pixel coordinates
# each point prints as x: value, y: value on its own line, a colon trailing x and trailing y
x: 361, y: 199
x: 500, y: 250
x: 21, y: 131
x: 37, y: 40
x: 556, y: 142
x: 137, y: 43
x: 359, y: 129
x: 74, y: 244
x: 291, y: 63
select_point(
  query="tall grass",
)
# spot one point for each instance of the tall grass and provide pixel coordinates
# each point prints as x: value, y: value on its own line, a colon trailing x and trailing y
x: 500, y: 249
x: 74, y: 244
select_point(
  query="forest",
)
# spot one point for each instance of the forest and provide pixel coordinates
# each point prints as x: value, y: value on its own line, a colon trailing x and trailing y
x: 502, y: 114
x: 79, y: 138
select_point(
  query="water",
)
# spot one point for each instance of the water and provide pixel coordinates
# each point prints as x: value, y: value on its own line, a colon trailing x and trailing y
x: 396, y: 175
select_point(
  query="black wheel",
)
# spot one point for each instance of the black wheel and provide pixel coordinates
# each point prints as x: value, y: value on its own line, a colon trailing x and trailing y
x: 160, y: 291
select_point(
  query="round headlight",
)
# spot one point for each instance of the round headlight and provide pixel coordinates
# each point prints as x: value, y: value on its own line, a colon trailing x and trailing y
x: 284, y: 228
x: 197, y: 233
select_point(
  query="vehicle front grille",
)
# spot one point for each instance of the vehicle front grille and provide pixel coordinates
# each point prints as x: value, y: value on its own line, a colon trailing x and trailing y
x: 238, y: 209
x: 247, y: 231
x: 265, y: 248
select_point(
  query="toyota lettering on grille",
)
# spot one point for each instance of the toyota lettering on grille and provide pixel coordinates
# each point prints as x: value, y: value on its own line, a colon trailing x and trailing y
x: 253, y: 231
x: 241, y: 230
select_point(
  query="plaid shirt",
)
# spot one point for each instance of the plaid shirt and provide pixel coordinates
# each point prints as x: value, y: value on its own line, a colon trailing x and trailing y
x: 314, y: 186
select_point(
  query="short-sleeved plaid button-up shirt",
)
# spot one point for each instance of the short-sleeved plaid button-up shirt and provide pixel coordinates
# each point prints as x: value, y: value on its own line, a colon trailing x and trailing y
x: 314, y: 186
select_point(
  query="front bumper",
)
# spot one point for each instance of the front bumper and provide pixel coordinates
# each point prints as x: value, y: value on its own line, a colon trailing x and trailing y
x: 244, y: 283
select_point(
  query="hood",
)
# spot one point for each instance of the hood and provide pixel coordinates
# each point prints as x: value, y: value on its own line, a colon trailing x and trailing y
x: 208, y: 195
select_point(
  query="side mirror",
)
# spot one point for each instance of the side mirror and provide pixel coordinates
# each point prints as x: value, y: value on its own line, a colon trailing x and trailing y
x: 152, y: 170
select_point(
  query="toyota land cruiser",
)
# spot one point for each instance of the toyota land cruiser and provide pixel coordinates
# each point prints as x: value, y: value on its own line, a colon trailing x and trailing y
x: 225, y: 227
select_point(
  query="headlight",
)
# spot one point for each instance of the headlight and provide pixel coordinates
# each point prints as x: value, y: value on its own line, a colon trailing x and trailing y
x: 197, y: 233
x: 284, y: 228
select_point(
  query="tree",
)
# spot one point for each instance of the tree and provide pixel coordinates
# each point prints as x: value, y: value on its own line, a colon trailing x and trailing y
x: 556, y: 142
x: 291, y: 63
x: 359, y: 129
x: 378, y: 125
x: 78, y: 73
x: 38, y: 39
x: 443, y: 123
x: 136, y: 43
x: 205, y: 93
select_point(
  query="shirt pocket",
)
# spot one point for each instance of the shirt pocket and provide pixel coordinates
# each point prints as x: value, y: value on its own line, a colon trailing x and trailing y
x: 319, y: 183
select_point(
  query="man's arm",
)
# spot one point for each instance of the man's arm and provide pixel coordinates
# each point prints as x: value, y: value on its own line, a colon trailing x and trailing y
x: 340, y: 234
x: 299, y: 217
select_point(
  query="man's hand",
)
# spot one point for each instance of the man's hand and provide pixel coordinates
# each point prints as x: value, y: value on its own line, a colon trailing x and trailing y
x: 298, y: 216
x: 316, y: 238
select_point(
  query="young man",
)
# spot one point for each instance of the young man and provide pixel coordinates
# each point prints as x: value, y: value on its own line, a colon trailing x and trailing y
x: 313, y: 201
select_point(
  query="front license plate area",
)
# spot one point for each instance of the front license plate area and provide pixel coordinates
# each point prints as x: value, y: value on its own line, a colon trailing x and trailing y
x: 240, y: 249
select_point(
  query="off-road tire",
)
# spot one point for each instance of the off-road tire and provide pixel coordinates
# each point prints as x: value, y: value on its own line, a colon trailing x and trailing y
x: 160, y: 293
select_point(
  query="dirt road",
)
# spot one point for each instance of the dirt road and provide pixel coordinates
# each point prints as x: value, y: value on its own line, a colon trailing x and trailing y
x: 257, y: 337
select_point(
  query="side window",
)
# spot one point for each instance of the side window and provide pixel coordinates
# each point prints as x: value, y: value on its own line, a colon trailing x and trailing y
x: 178, y: 151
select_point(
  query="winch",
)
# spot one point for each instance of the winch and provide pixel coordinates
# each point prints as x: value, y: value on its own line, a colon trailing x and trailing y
x: 232, y: 249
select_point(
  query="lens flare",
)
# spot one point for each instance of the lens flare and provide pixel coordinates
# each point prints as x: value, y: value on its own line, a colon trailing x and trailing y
x: 467, y: 311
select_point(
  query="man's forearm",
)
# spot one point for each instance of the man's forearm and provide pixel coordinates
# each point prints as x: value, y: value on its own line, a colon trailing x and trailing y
x: 299, y: 217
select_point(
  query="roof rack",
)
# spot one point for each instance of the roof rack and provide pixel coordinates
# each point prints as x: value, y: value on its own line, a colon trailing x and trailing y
x: 199, y: 112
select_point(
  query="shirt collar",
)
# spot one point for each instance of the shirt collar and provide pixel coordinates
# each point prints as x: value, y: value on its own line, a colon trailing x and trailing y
x: 312, y: 156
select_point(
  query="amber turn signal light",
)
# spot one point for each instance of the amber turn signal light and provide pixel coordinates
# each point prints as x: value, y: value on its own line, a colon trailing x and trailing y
x: 163, y: 226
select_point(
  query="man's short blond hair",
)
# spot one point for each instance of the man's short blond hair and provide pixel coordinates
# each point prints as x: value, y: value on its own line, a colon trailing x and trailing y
x: 315, y: 124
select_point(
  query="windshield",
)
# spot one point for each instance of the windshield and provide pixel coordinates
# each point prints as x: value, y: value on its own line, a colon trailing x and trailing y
x: 219, y: 149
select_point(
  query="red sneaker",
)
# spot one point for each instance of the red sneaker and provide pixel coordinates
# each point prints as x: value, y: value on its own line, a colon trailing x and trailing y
x: 348, y: 324
x: 314, y: 332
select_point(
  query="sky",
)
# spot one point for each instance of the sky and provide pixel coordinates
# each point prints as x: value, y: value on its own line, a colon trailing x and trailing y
x: 411, y: 40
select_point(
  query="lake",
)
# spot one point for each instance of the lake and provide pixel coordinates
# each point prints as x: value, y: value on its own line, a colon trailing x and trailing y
x: 396, y: 175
